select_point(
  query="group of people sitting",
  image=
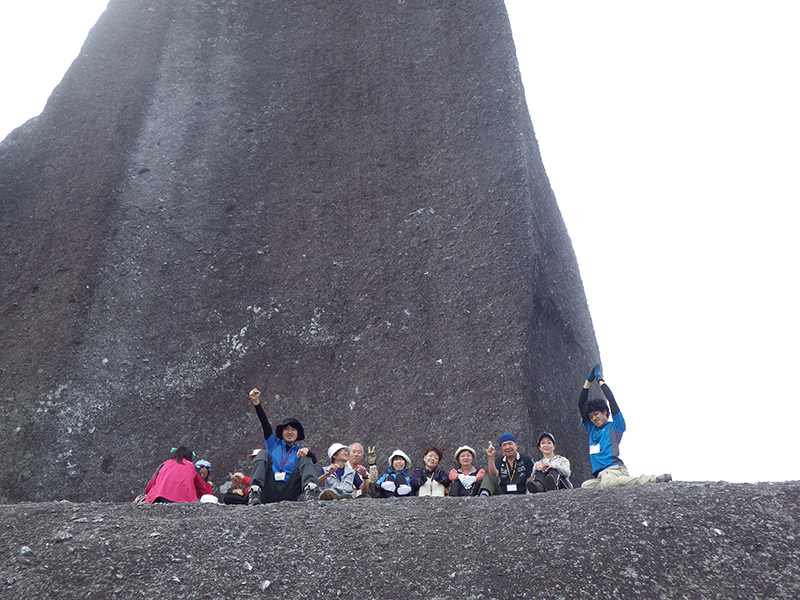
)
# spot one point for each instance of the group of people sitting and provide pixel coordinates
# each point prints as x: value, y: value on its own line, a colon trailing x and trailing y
x: 284, y: 469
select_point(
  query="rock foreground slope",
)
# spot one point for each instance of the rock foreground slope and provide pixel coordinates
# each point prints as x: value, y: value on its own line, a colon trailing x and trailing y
x: 341, y: 203
x: 680, y: 540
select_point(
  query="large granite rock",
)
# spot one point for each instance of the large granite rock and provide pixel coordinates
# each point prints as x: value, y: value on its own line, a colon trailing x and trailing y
x: 676, y: 541
x: 341, y: 203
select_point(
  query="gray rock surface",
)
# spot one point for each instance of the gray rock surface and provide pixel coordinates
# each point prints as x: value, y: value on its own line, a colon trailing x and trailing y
x: 340, y: 203
x: 677, y: 541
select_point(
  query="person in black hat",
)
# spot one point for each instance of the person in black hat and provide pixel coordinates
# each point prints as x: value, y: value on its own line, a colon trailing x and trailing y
x: 553, y: 471
x: 284, y: 470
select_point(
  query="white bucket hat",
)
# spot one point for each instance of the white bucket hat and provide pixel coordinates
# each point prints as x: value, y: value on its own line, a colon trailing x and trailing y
x: 402, y: 455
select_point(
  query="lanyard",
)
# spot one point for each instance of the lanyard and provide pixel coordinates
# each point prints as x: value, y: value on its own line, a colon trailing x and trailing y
x: 511, y: 474
x: 287, y: 456
x: 596, y: 435
x: 430, y: 477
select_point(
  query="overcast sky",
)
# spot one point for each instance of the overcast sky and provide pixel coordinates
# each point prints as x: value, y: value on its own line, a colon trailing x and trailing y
x: 669, y: 132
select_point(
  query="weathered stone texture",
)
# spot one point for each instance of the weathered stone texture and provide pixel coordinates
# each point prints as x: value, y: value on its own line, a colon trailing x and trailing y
x: 341, y: 203
x: 677, y: 541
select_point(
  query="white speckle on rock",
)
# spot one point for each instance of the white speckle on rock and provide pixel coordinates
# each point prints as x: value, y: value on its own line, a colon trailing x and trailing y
x: 104, y: 361
x: 25, y: 550
x: 248, y: 566
x: 718, y: 532
x: 352, y: 404
x: 265, y: 584
x: 644, y: 523
x: 438, y: 362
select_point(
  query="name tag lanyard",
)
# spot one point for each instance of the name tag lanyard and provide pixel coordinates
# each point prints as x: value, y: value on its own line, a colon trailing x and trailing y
x: 287, y: 456
x: 594, y: 447
x: 511, y: 474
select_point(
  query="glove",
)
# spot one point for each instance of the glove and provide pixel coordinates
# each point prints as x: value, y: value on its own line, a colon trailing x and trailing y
x: 389, y: 485
x: 422, y: 478
x: 372, y: 456
x: 403, y: 490
x: 467, y: 481
x: 595, y: 373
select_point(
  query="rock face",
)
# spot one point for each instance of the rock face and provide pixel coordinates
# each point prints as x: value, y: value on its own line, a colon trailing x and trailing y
x: 683, y: 541
x: 340, y: 203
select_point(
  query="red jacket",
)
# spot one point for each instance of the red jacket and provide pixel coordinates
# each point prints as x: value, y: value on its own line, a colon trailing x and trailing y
x: 177, y: 482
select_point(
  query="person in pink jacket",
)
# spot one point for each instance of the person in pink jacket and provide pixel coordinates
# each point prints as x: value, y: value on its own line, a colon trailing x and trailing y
x: 176, y: 480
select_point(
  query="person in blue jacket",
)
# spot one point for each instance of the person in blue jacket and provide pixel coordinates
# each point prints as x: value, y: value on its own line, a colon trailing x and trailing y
x: 396, y: 482
x: 283, y: 470
x: 605, y: 434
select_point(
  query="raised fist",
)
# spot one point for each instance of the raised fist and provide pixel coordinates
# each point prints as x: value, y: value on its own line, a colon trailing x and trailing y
x: 255, y: 396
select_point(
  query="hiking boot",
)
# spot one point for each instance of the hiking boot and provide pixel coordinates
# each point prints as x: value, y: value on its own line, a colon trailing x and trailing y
x: 665, y: 478
x: 330, y: 495
x: 534, y: 486
x: 549, y: 482
x: 484, y: 493
x: 254, y: 495
x: 311, y: 492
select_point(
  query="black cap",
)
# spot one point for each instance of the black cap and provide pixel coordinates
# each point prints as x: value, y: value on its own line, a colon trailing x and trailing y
x: 545, y: 434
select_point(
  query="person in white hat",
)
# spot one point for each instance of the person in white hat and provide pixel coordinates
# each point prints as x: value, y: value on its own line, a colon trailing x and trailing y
x: 466, y: 478
x: 240, y: 484
x: 396, y: 483
x: 339, y: 480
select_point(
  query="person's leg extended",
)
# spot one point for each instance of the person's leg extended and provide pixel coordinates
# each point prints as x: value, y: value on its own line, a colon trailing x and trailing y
x: 616, y: 476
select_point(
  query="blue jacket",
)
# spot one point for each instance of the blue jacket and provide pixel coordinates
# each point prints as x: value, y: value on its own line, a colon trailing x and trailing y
x: 284, y: 456
x: 399, y: 479
x: 603, y: 441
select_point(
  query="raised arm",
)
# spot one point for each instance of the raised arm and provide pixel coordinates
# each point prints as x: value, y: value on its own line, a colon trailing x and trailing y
x: 609, y: 396
x: 595, y: 374
x: 582, y: 400
x: 490, y: 453
x: 255, y: 398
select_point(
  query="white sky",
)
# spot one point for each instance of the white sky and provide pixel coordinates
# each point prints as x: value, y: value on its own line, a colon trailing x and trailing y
x: 670, y: 135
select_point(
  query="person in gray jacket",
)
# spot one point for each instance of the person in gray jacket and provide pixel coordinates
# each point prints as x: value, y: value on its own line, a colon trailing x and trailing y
x: 340, y: 480
x: 552, y: 471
